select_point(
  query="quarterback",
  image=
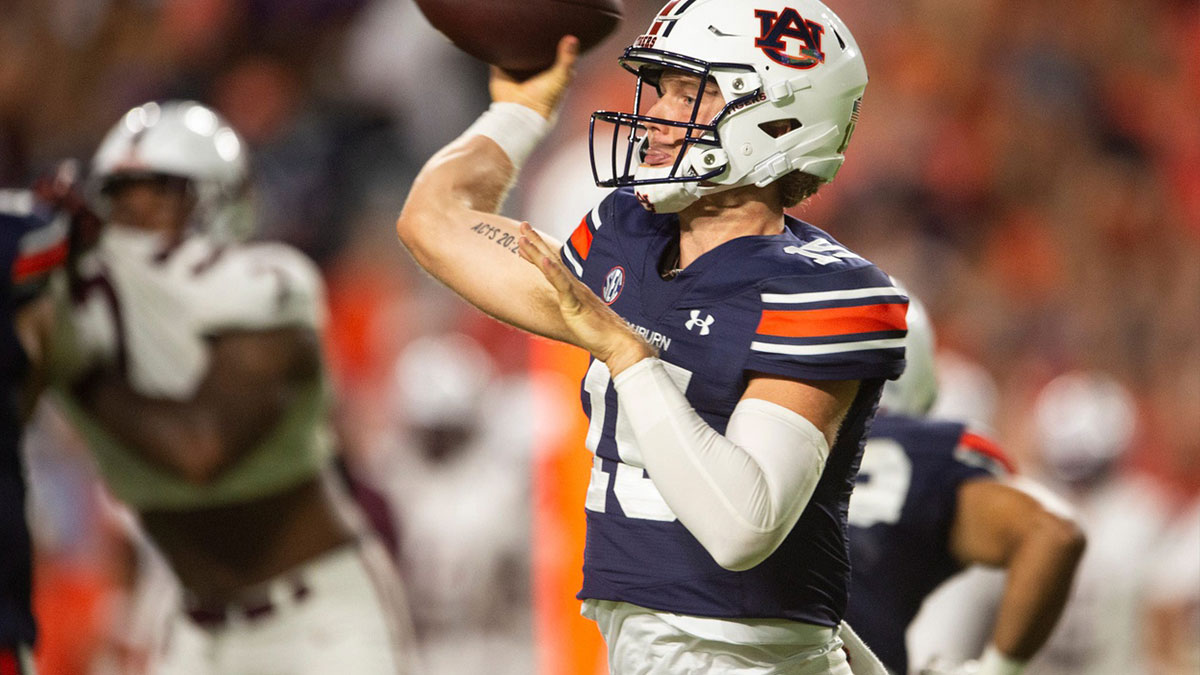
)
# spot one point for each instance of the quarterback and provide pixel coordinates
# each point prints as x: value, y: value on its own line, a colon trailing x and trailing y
x: 738, y: 354
x: 196, y: 378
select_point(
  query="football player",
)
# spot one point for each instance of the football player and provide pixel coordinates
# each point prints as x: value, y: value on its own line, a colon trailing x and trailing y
x: 934, y: 497
x: 1086, y: 423
x: 738, y: 353
x: 199, y: 386
x: 33, y: 242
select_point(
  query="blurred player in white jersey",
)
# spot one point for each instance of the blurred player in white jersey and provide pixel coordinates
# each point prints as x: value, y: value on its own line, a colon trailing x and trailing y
x: 461, y: 480
x: 1175, y: 598
x: 1086, y: 423
x: 196, y: 377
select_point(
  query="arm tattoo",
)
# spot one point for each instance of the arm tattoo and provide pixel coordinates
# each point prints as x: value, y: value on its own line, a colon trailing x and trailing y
x: 493, y: 233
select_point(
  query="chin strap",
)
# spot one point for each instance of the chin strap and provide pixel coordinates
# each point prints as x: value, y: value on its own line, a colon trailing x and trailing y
x: 663, y: 197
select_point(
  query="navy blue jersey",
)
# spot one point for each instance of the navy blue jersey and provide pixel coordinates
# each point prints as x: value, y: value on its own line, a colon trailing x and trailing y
x: 796, y: 305
x: 30, y: 246
x: 900, y: 519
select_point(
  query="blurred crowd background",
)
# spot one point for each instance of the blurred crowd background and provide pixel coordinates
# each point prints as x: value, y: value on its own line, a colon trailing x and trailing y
x: 1030, y: 169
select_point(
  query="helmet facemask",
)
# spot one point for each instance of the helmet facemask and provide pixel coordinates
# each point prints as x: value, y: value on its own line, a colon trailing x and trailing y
x: 700, y: 159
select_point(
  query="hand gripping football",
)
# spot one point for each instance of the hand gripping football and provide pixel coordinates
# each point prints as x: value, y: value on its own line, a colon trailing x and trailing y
x: 520, y: 36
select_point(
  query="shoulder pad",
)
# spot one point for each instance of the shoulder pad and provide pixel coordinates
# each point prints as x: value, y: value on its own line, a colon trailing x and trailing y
x: 260, y: 286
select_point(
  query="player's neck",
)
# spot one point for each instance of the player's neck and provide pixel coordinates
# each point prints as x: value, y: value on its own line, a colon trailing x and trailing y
x: 716, y: 219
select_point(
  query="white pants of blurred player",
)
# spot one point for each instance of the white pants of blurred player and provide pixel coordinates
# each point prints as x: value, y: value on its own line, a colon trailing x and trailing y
x: 351, y: 618
x: 646, y: 642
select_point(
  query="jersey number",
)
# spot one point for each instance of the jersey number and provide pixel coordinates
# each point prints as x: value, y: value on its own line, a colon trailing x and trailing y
x: 636, y: 493
x: 822, y: 251
x: 884, y: 477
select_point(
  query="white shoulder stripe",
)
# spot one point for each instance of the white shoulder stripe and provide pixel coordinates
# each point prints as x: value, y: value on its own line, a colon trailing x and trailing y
x: 566, y: 248
x: 16, y: 202
x: 834, y: 348
x: 825, y: 296
x: 595, y: 217
x: 46, y: 236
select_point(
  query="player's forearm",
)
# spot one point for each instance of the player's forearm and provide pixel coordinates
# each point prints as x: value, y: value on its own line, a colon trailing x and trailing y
x: 197, y: 439
x: 738, y: 494
x: 177, y: 438
x: 34, y: 326
x: 1039, y: 582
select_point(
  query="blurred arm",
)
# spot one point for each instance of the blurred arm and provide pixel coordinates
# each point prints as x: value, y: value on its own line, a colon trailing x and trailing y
x: 252, y: 381
x: 34, y: 325
x: 449, y: 222
x: 999, y: 525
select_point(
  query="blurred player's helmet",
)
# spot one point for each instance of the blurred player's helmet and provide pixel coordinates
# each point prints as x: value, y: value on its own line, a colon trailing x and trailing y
x: 780, y: 64
x: 441, y: 380
x: 914, y: 392
x: 1085, y: 423
x: 181, y: 139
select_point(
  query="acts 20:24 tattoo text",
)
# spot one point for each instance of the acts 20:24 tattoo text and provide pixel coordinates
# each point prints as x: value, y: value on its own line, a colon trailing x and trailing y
x: 493, y: 233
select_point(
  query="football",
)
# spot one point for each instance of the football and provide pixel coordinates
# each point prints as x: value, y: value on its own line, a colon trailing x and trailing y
x: 520, y: 36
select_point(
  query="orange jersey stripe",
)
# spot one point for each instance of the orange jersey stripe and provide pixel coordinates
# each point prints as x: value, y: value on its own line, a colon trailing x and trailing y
x: 834, y: 321
x: 581, y: 239
x: 40, y: 262
x: 985, y: 446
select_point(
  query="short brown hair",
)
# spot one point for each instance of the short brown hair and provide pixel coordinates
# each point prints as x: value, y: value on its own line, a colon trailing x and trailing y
x: 797, y: 186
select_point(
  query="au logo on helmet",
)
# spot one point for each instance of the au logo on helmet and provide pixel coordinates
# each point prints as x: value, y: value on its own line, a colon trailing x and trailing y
x: 776, y: 26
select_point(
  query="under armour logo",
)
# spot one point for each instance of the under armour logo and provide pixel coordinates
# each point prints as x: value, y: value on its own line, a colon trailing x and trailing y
x: 702, y: 324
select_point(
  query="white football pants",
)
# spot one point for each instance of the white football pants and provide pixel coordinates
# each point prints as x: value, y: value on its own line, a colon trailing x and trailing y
x: 646, y: 642
x: 353, y: 619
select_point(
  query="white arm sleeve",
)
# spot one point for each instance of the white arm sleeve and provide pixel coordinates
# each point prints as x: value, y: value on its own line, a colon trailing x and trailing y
x: 738, y: 494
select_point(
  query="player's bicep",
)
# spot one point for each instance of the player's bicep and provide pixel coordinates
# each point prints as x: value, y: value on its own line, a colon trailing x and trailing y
x: 990, y: 521
x: 823, y: 403
x: 262, y: 360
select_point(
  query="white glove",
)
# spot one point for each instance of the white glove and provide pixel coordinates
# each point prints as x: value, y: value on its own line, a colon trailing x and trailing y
x: 993, y: 662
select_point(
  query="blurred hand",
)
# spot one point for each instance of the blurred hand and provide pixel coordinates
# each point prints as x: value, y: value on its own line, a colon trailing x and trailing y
x: 62, y: 191
x: 596, y: 326
x: 544, y: 91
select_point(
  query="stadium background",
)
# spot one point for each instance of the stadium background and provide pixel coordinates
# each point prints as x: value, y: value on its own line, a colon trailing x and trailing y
x: 1030, y: 169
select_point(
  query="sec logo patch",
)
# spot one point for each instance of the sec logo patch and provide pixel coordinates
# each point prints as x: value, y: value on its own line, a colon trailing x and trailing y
x: 614, y: 283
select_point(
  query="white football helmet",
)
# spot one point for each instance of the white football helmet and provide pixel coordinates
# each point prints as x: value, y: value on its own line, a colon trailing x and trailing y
x: 187, y: 140
x: 914, y: 392
x: 1085, y: 423
x: 780, y: 64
